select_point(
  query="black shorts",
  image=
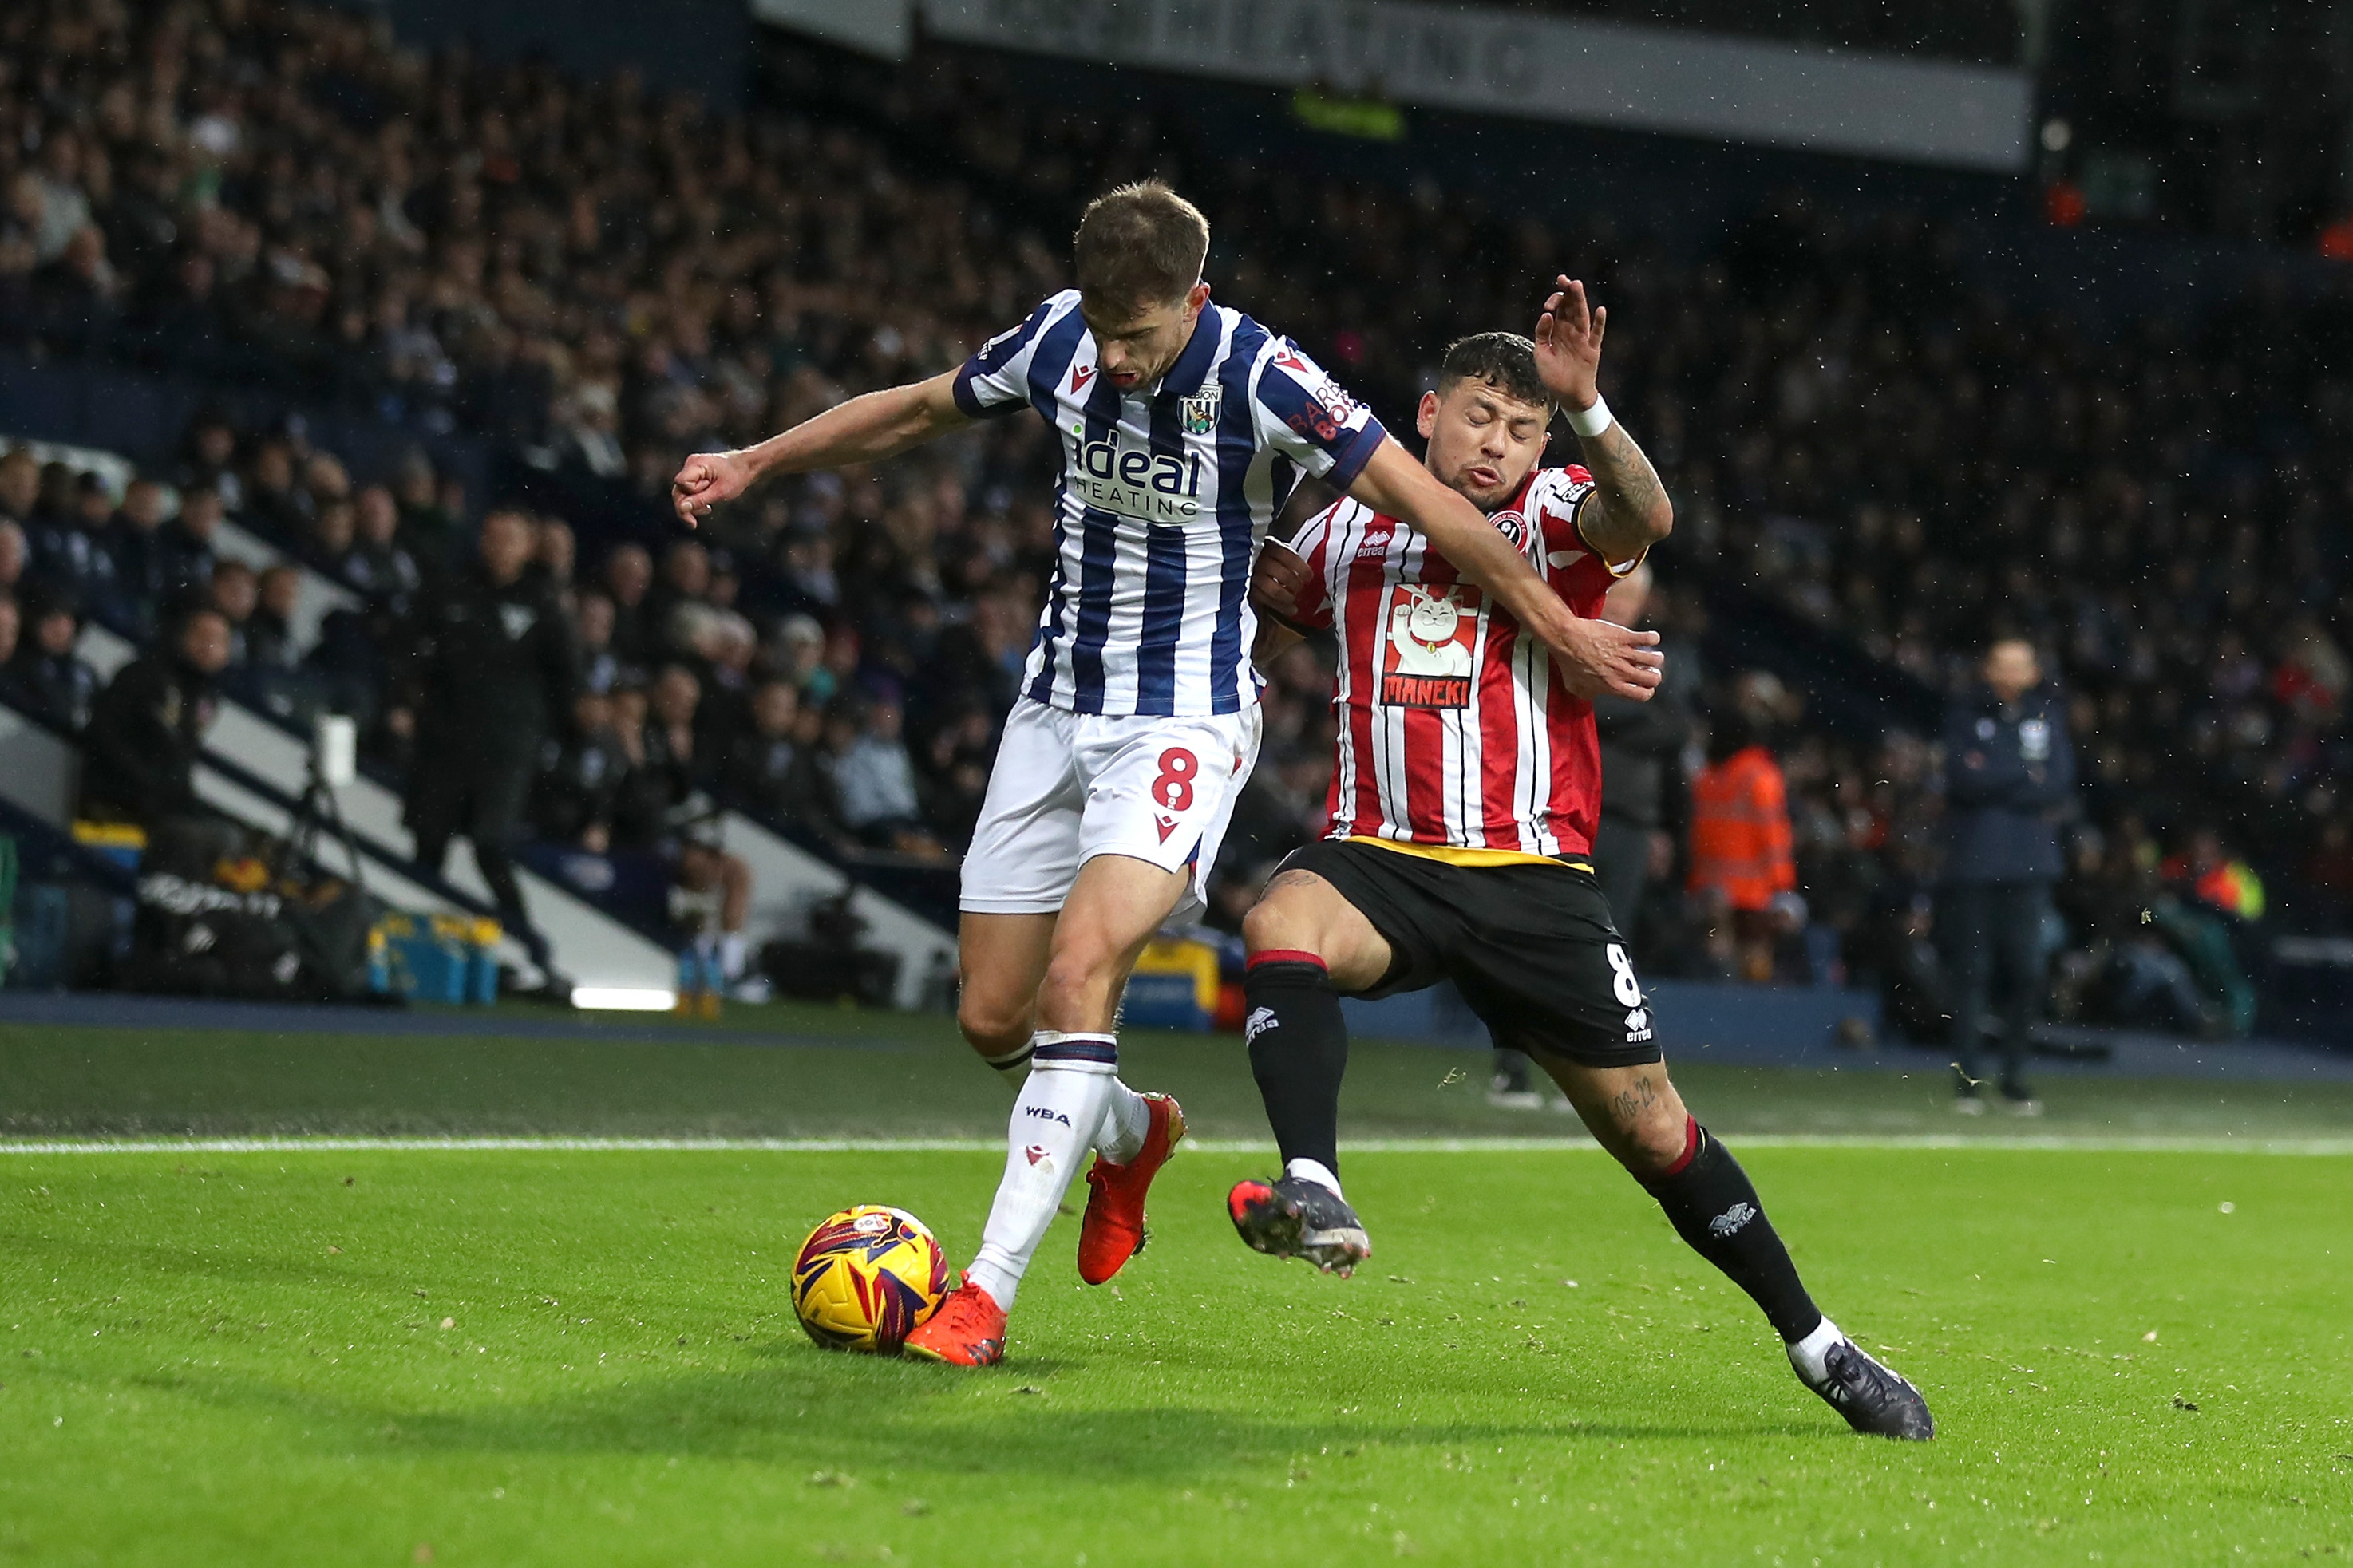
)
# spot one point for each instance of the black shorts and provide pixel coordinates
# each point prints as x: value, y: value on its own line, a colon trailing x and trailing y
x: 1531, y: 947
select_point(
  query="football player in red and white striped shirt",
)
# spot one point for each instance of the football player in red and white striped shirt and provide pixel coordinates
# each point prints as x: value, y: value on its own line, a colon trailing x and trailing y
x: 1463, y: 804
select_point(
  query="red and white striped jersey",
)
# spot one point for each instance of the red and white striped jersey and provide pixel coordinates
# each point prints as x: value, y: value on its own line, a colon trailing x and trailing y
x: 1455, y: 729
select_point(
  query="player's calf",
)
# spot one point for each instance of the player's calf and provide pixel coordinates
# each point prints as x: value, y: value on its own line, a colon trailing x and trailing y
x: 1000, y: 958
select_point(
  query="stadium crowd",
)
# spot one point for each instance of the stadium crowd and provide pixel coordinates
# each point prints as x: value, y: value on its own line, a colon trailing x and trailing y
x: 603, y: 280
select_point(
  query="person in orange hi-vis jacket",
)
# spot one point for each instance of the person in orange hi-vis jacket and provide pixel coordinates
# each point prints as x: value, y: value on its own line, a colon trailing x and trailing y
x: 1740, y: 846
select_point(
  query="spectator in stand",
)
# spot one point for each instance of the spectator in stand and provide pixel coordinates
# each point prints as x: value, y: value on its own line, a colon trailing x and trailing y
x: 333, y: 534
x: 800, y: 658
x: 629, y: 575
x: 2009, y: 781
x: 641, y: 800
x: 380, y: 567
x: 581, y: 776
x: 54, y: 683
x: 20, y: 487
x: 711, y: 900
x: 874, y: 787
x: 726, y: 649
x: 69, y: 546
x: 146, y: 735
x: 269, y: 629
x: 671, y: 768
x: 183, y: 546
x: 557, y: 553
x: 12, y: 627
x: 685, y: 584
x: 489, y: 671
x: 235, y: 590
x: 954, y: 777
x: 133, y: 539
x: 592, y: 623
x: 767, y: 771
x: 1741, y: 861
x: 209, y: 457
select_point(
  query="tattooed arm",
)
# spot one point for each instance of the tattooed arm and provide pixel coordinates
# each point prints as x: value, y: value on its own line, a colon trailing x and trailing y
x: 1633, y: 511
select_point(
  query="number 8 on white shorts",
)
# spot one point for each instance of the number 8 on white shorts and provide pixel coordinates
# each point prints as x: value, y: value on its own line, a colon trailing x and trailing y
x: 1070, y: 786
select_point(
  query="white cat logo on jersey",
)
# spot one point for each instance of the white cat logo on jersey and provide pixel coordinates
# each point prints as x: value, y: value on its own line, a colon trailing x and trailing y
x: 1428, y: 660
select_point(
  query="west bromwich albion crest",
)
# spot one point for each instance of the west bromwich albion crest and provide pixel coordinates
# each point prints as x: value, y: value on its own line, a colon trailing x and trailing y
x: 1199, y: 414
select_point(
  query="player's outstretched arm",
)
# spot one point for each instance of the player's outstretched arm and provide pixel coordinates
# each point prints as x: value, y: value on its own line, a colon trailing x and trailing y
x: 1594, y: 655
x: 866, y: 428
x: 1634, y: 513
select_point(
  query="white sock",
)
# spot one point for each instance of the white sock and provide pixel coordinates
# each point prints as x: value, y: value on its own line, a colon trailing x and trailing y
x: 1317, y: 1172
x: 1126, y: 1123
x: 731, y: 955
x: 1054, y: 1123
x: 1807, y: 1354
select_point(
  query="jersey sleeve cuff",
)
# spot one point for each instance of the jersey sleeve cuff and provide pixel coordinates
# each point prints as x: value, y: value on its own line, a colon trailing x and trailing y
x: 967, y: 399
x: 1350, y: 460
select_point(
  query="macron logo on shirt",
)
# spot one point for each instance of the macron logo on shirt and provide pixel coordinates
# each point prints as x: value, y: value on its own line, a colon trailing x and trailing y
x: 1080, y: 375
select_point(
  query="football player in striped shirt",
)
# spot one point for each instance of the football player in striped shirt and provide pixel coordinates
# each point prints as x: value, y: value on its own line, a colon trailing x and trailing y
x: 1463, y: 803
x: 1183, y: 426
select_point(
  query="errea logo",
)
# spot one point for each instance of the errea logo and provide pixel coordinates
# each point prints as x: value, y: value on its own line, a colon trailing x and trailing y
x: 1259, y: 1023
x: 1638, y: 1026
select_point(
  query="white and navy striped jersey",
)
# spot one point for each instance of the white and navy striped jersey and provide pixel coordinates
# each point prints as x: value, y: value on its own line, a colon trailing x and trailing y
x: 1164, y: 495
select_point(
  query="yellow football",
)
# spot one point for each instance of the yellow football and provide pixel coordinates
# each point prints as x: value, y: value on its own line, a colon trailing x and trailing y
x: 866, y: 1276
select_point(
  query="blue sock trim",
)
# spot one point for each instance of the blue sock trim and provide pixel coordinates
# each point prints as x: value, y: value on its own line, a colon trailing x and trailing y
x: 1099, y: 1052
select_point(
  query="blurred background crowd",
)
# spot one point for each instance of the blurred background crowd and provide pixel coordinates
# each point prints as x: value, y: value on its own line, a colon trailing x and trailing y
x: 1879, y: 458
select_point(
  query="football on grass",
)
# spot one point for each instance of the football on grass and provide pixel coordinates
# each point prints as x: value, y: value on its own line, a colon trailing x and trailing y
x: 866, y: 1276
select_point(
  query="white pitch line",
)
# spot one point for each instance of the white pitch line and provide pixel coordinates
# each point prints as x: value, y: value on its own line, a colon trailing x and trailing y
x: 1921, y: 1142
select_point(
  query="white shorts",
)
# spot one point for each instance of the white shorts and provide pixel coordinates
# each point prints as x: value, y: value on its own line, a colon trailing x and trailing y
x: 1070, y: 786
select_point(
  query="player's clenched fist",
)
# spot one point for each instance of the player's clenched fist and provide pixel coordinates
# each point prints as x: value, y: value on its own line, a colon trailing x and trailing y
x: 704, y: 480
x: 1277, y: 581
x: 1602, y: 655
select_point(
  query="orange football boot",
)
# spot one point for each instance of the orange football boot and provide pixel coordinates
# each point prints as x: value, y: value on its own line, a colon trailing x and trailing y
x: 1113, y: 1231
x: 967, y: 1331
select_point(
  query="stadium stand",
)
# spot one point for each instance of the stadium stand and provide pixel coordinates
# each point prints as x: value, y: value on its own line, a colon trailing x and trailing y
x: 1878, y: 445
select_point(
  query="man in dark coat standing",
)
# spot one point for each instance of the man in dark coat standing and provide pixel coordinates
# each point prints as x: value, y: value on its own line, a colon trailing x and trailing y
x: 491, y: 669
x: 2009, y: 780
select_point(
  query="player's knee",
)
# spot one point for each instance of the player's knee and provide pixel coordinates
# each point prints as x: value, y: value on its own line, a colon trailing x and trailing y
x: 1269, y: 927
x: 1652, y: 1149
x: 1654, y: 1141
x: 991, y: 1026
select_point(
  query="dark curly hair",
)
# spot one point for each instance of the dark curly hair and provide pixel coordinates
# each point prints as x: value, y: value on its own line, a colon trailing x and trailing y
x: 1504, y: 361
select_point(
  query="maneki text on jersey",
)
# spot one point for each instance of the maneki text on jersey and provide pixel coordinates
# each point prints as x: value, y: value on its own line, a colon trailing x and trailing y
x: 1166, y: 492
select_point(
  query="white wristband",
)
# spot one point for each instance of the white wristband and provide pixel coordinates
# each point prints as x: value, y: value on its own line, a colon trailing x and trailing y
x: 1594, y: 420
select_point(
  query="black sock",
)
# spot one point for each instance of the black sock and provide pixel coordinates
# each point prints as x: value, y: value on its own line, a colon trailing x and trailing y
x: 1715, y: 1208
x: 1298, y: 1052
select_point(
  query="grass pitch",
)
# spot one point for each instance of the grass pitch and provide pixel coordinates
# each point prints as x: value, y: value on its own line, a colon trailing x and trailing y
x: 560, y: 1355
x: 566, y: 1357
